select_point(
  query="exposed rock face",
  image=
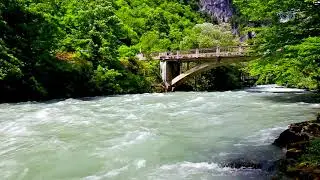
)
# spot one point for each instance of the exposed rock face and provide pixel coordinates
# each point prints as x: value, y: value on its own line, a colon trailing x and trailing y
x: 221, y: 10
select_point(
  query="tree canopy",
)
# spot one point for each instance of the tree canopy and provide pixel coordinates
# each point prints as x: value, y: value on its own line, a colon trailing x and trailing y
x: 207, y: 35
x: 156, y: 25
x: 287, y: 40
x: 57, y: 49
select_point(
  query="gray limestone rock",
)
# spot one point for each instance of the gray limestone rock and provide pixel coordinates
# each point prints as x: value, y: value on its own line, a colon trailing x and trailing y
x: 221, y: 10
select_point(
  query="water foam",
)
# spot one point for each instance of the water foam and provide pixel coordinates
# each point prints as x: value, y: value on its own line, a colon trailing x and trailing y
x: 195, y: 167
x: 110, y: 174
x: 315, y: 105
x: 198, y: 99
x: 273, y: 88
x: 140, y: 163
x: 130, y: 139
x: 14, y: 129
x: 265, y: 136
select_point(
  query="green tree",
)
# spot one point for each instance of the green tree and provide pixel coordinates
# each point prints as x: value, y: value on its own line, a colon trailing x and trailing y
x: 207, y: 35
x: 89, y: 28
x: 156, y: 25
x: 26, y: 40
x: 287, y: 36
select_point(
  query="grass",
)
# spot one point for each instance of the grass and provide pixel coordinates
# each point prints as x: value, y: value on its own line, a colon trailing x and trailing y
x: 312, y: 155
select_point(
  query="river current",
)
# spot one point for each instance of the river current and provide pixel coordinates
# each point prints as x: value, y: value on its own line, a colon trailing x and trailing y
x: 174, y: 136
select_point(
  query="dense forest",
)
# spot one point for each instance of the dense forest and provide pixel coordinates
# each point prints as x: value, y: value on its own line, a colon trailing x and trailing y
x: 77, y: 48
x: 287, y: 40
x: 57, y: 49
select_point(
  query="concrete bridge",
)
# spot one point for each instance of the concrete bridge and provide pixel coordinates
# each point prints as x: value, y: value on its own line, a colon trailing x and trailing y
x: 205, y: 59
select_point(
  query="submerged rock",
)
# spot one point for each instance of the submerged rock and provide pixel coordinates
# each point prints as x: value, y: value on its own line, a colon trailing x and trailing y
x: 244, y: 163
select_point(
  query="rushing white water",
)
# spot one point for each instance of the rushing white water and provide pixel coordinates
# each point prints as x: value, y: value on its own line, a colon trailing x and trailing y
x: 150, y: 136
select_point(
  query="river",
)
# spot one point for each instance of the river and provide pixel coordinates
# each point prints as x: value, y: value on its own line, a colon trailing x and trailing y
x: 174, y: 136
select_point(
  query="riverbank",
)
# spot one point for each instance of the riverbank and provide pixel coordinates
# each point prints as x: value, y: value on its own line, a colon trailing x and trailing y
x: 301, y: 142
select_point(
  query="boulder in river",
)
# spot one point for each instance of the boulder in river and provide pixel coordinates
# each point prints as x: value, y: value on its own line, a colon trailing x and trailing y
x: 298, y: 133
x: 289, y: 136
x: 244, y: 163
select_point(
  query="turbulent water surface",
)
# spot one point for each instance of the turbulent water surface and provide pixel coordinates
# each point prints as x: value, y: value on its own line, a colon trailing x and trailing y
x: 184, y: 135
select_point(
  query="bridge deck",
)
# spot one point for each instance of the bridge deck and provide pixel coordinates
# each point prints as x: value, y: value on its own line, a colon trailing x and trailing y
x: 199, y: 54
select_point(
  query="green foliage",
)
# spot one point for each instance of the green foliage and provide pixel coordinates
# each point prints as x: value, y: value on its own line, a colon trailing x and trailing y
x: 106, y: 80
x: 207, y: 35
x: 56, y: 49
x: 128, y: 52
x: 66, y: 79
x: 287, y: 40
x: 9, y: 65
x: 156, y: 25
x: 312, y: 155
x: 133, y: 83
x: 75, y: 48
x: 85, y: 34
x: 90, y: 28
x: 26, y: 40
x: 141, y: 77
x: 296, y: 67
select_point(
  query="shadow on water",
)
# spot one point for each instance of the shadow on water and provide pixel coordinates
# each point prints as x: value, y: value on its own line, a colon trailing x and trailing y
x: 294, y: 97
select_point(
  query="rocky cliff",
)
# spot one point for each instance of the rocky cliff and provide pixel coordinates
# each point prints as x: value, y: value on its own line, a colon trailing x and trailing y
x: 221, y: 10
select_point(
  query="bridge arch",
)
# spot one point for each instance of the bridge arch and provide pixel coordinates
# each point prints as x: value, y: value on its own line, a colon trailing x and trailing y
x: 170, y: 63
x: 178, y: 80
x: 203, y: 67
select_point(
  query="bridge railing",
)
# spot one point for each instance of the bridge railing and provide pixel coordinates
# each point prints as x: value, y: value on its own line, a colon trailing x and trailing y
x: 199, y: 53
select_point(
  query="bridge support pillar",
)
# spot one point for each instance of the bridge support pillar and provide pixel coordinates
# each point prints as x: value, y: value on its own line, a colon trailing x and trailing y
x: 169, y: 70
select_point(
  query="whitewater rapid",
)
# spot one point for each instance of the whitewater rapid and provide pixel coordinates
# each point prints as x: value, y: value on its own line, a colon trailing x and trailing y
x: 183, y: 135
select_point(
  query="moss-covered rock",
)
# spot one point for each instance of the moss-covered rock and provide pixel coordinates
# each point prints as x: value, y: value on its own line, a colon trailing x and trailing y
x: 302, y: 143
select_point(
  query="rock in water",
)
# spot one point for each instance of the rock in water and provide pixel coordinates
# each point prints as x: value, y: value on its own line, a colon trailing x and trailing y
x: 298, y: 134
x: 244, y: 163
x: 288, y: 137
x: 221, y: 10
